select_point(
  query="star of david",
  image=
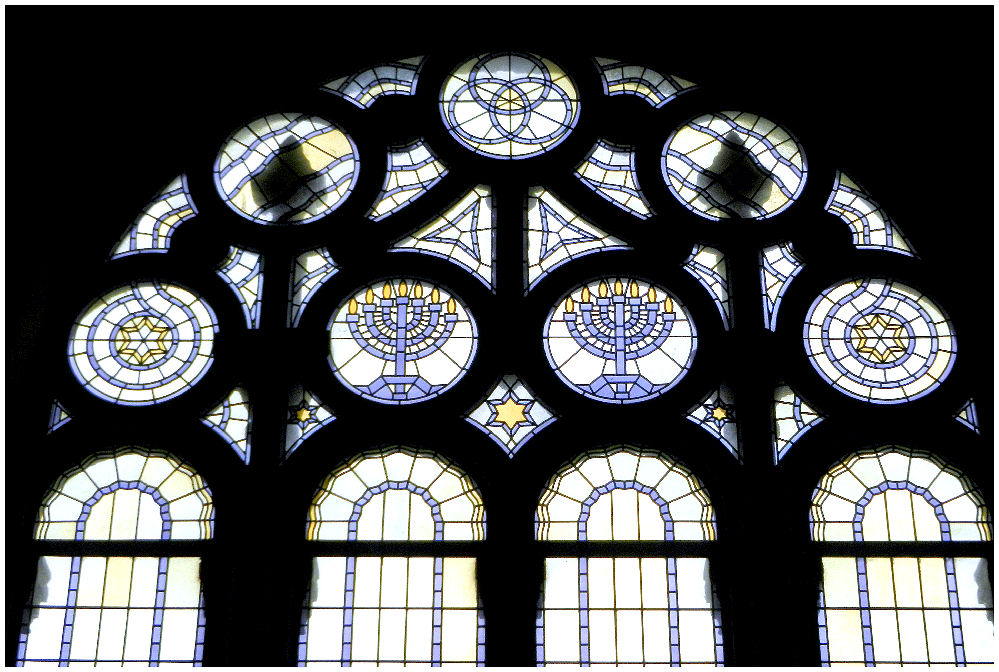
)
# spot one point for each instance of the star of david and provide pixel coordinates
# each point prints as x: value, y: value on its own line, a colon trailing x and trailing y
x: 720, y: 413
x: 142, y: 340
x: 510, y: 413
x: 880, y: 339
x: 302, y: 415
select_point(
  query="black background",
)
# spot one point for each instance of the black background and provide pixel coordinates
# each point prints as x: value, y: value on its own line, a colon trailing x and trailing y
x: 105, y: 106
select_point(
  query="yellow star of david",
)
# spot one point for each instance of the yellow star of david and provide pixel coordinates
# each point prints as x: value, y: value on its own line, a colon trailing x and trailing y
x: 142, y: 340
x: 510, y: 413
x: 880, y: 339
x: 303, y: 414
x: 719, y: 413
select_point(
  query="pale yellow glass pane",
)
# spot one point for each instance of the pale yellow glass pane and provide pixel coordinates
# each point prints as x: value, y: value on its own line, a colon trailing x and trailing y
x: 654, y: 592
x: 180, y: 630
x: 394, y: 579
x: 369, y: 525
x: 907, y: 592
x: 602, y: 636
x: 364, y: 635
x: 392, y: 634
x: 328, y: 577
x: 624, y: 514
x: 884, y: 626
x: 459, y: 583
x: 459, y: 635
x: 91, y: 585
x: 600, y: 582
x: 86, y: 623
x: 912, y: 634
x: 367, y: 578
x: 693, y: 583
x: 979, y: 634
x: 846, y: 641
x: 150, y: 519
x: 875, y: 523
x: 561, y: 583
x: 650, y: 520
x: 898, y: 504
x: 933, y: 577
x: 137, y: 634
x: 627, y: 583
x: 926, y: 522
x: 880, y: 583
x: 325, y: 634
x: 117, y: 582
x: 183, y: 587
x: 655, y: 633
x: 697, y: 637
x: 598, y: 525
x: 125, y: 513
x: 562, y: 635
x: 98, y: 525
x: 939, y: 636
x: 839, y: 582
x: 421, y: 521
x: 629, y: 636
x: 111, y: 639
x: 421, y: 582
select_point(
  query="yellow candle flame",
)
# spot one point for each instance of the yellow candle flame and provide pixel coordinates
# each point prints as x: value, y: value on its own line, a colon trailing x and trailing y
x: 452, y: 306
x: 403, y: 288
x: 352, y: 306
x: 668, y: 305
x: 369, y: 296
x: 418, y: 290
x: 652, y: 295
x: 602, y: 290
x: 618, y: 287
x: 634, y: 290
x: 585, y: 296
x: 435, y: 296
x: 568, y: 304
x: 387, y: 291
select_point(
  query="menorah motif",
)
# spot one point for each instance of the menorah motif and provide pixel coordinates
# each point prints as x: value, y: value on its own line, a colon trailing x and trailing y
x: 400, y: 328
x: 619, y: 328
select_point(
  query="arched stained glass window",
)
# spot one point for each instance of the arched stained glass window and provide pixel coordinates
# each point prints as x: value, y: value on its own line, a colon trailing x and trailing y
x: 613, y: 610
x: 124, y: 608
x: 897, y: 609
x: 421, y: 610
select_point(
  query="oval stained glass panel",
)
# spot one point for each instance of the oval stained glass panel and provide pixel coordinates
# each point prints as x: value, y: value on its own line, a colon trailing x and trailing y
x: 620, y: 340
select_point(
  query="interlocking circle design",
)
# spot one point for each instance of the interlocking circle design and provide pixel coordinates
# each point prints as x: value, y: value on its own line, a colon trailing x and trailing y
x: 143, y: 343
x: 620, y: 340
x: 879, y: 341
x: 509, y: 105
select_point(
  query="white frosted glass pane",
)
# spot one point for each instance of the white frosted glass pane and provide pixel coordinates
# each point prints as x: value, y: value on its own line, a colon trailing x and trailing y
x: 125, y: 513
x: 325, y: 634
x: 934, y: 582
x: 137, y: 634
x: 839, y: 581
x: 393, y: 588
x: 899, y: 505
x: 52, y: 580
x: 655, y: 632
x: 369, y: 525
x: 600, y: 582
x: 459, y: 635
x: 973, y: 589
x: 697, y: 637
x: 978, y: 630
x: 328, y: 575
x: 598, y: 525
x: 459, y: 582
x: 939, y: 636
x: 392, y: 634
x: 183, y: 582
x: 879, y: 582
x: 562, y: 582
x: 906, y: 574
x: 98, y: 525
x: 364, y: 635
x: 180, y: 630
x: 693, y: 583
x: 845, y: 637
x: 86, y: 624
x: 111, y: 640
x: 117, y: 582
x: 602, y: 636
x: 912, y: 634
x: 627, y: 583
x: 45, y: 633
x: 421, y: 582
x: 654, y: 591
x: 624, y: 513
x: 629, y: 636
x: 650, y: 520
x: 367, y: 578
x: 419, y: 634
x: 885, y: 631
x: 562, y: 635
x: 875, y: 524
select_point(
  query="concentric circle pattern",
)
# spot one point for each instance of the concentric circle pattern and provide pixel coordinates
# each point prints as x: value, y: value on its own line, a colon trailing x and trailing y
x: 143, y: 343
x: 733, y: 164
x: 401, y: 341
x: 509, y: 105
x: 879, y: 341
x: 620, y: 340
x: 286, y: 169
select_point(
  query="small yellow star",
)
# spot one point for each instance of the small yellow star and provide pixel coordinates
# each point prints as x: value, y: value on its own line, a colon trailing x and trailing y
x: 303, y: 414
x: 719, y: 413
x: 879, y: 338
x: 142, y: 340
x: 510, y: 413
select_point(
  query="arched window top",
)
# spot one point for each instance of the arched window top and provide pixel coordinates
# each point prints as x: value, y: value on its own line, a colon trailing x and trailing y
x: 129, y: 494
x: 897, y: 494
x: 624, y: 494
x: 397, y: 494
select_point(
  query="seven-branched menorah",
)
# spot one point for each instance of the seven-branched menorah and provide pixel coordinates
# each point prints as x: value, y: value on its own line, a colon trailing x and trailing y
x: 401, y: 329
x: 619, y: 328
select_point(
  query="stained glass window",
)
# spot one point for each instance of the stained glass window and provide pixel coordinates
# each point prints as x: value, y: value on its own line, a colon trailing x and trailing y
x: 143, y: 343
x: 870, y: 225
x: 968, y: 416
x: 619, y: 340
x: 154, y: 226
x: 422, y: 610
x: 892, y: 610
x: 708, y: 265
x: 364, y: 87
x: 715, y: 414
x: 412, y: 171
x: 878, y: 340
x: 306, y: 415
x: 778, y: 266
x: 286, y: 169
x: 120, y: 609
x: 635, y: 80
x: 411, y: 343
x: 58, y: 417
x: 510, y: 415
x: 509, y: 105
x: 310, y: 270
x: 792, y: 418
x: 231, y: 420
x: 609, y: 170
x: 733, y: 164
x: 627, y: 610
x: 242, y: 270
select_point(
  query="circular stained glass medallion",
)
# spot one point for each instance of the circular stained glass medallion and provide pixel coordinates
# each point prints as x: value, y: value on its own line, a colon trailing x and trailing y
x: 620, y: 340
x: 509, y: 105
x: 401, y: 341
x: 143, y: 343
x: 733, y: 164
x: 879, y: 341
x: 286, y: 169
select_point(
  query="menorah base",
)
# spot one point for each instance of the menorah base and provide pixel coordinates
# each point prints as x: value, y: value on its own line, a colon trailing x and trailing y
x: 400, y: 388
x: 623, y: 388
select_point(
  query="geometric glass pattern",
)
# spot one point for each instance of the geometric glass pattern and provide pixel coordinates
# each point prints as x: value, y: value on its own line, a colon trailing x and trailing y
x: 708, y: 265
x: 617, y: 610
x: 242, y: 271
x: 362, y: 88
x: 609, y: 170
x: 619, y: 340
x: 656, y: 89
x: 733, y: 164
x: 306, y: 414
x: 58, y: 416
x: 556, y: 234
x: 872, y: 228
x: 716, y: 415
x: 510, y: 415
x: 412, y: 171
x: 792, y: 418
x: 879, y: 341
x: 422, y: 610
x: 144, y: 610
x: 463, y: 235
x: 286, y: 169
x: 415, y: 341
x: 311, y: 269
x: 231, y: 420
x: 142, y: 343
x: 778, y: 266
x: 509, y: 105
x: 967, y: 416
x: 153, y: 227
x: 892, y: 610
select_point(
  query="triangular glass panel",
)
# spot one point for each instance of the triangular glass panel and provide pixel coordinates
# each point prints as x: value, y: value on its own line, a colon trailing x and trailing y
x: 708, y: 265
x: 310, y: 270
x: 242, y: 271
x: 154, y: 226
x: 556, y: 235
x: 716, y: 415
x: 510, y: 415
x: 364, y: 87
x: 609, y: 170
x: 463, y: 235
x: 968, y: 416
x: 306, y: 414
x: 58, y: 417
x: 231, y: 420
x: 619, y: 78
x: 792, y: 418
x: 871, y: 226
x: 778, y: 266
x: 412, y: 171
